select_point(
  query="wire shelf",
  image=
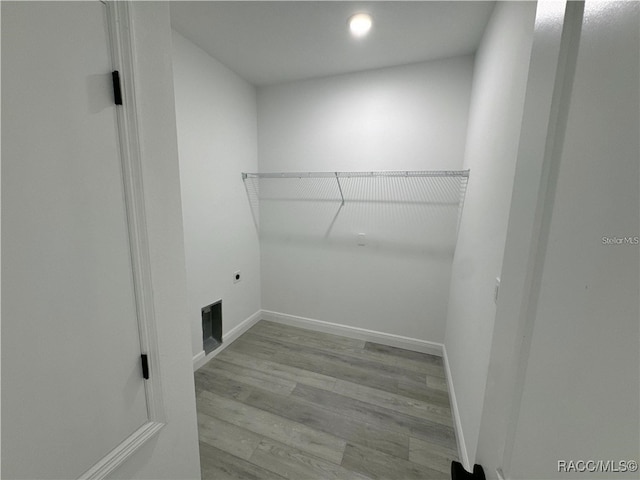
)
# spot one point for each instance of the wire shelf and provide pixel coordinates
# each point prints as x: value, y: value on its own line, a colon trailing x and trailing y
x: 403, y: 173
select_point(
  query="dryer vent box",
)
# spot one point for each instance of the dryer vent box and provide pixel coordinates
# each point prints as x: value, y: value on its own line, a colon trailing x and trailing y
x: 212, y: 327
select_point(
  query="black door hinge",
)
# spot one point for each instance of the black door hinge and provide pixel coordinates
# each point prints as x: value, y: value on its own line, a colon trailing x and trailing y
x: 145, y: 366
x: 117, y: 89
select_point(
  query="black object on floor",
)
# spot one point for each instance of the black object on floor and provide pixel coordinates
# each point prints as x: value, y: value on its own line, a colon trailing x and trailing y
x: 459, y: 473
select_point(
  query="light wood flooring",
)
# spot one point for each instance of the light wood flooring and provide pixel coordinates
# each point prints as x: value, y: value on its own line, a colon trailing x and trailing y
x: 283, y: 402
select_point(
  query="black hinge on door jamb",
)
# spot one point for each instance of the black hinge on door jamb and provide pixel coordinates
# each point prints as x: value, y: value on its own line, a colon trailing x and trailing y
x: 145, y: 366
x: 117, y: 90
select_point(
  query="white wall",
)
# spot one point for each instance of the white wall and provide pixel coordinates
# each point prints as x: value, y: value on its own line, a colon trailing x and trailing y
x: 173, y: 454
x: 527, y: 202
x: 494, y: 124
x: 405, y: 118
x: 217, y: 140
x: 0, y: 257
x: 580, y: 392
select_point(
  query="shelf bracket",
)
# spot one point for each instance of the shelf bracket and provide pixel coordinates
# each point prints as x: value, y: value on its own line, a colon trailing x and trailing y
x: 340, y: 188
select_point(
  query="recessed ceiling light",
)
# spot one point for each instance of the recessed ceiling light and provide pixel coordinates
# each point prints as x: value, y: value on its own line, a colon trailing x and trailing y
x: 360, y: 24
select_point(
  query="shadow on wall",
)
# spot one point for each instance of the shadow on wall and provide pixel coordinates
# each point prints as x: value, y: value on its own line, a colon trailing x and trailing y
x: 403, y: 214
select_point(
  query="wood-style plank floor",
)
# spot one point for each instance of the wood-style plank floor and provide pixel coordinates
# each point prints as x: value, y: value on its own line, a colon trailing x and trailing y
x: 284, y: 402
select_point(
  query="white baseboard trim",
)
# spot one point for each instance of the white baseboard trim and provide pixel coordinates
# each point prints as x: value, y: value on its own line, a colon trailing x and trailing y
x: 198, y: 360
x: 462, y: 447
x: 201, y: 359
x: 390, y: 339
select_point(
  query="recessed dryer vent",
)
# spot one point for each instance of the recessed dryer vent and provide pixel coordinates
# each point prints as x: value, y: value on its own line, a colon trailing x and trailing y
x: 212, y: 327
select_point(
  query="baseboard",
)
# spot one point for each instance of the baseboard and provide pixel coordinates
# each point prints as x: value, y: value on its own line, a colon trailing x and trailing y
x: 198, y: 360
x: 201, y: 359
x: 408, y: 343
x: 390, y: 339
x: 462, y: 447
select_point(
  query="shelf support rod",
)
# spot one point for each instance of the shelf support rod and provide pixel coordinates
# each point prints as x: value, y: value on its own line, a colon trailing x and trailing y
x: 339, y: 188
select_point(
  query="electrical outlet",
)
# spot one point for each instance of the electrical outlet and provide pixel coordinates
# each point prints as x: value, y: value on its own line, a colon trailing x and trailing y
x: 236, y: 276
x: 496, y: 290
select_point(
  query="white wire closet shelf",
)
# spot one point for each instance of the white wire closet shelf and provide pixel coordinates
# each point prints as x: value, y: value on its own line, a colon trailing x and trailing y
x: 425, y: 197
x: 383, y: 173
x: 461, y: 175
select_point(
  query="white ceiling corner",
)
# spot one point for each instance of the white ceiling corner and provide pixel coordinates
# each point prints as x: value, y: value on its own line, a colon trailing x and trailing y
x: 273, y: 42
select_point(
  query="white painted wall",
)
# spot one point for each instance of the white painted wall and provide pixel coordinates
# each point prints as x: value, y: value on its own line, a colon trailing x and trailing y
x: 404, y: 118
x: 580, y: 392
x: 217, y: 140
x: 173, y: 454
x: 0, y: 256
x: 495, y: 116
x: 527, y: 202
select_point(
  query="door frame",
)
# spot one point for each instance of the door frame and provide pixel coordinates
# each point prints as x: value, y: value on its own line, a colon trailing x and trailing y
x: 121, y: 38
x: 554, y: 52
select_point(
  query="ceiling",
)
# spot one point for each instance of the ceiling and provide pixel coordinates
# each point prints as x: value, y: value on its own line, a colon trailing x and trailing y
x: 274, y: 42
